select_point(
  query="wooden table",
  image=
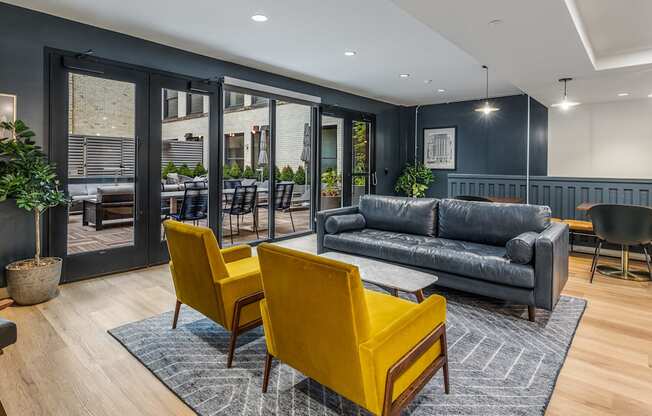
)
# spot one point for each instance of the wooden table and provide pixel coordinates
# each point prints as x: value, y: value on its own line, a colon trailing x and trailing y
x: 505, y: 199
x: 585, y: 206
x: 388, y: 275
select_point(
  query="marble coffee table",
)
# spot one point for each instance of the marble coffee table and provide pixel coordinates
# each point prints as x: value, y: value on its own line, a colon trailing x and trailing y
x: 391, y: 276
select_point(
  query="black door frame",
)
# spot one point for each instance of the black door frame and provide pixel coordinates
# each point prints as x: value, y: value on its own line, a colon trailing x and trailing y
x: 349, y: 116
x: 157, y: 247
x: 84, y: 265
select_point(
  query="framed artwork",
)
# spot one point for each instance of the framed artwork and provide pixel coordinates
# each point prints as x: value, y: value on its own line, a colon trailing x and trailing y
x: 7, y: 110
x: 440, y: 148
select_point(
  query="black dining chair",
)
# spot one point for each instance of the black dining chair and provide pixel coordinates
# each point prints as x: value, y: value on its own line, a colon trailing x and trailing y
x: 242, y: 203
x: 472, y: 198
x: 283, y: 200
x: 626, y: 225
x: 194, y: 206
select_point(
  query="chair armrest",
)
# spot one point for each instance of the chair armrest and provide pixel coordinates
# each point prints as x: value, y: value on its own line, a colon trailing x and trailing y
x: 322, y: 216
x: 231, y: 289
x: 387, y: 347
x: 550, y: 265
x: 236, y: 253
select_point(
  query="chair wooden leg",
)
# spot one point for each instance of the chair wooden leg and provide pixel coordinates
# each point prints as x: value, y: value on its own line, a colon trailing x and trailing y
x: 268, y: 367
x: 444, y: 349
x: 236, y: 329
x: 531, y: 313
x: 647, y: 260
x: 597, y: 259
x: 177, y: 307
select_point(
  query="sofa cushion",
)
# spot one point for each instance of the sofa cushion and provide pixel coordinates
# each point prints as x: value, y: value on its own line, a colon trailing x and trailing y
x: 520, y: 249
x: 406, y: 215
x: 478, y: 261
x: 489, y: 223
x: 340, y: 223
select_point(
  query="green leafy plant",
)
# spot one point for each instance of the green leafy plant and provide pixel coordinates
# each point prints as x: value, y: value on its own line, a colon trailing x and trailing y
x: 185, y: 171
x: 169, y: 168
x: 287, y: 174
x: 300, y: 176
x: 27, y: 176
x: 226, y: 172
x: 199, y: 170
x: 414, y: 180
x: 248, y: 173
x: 331, y: 181
x: 277, y: 174
x: 235, y: 171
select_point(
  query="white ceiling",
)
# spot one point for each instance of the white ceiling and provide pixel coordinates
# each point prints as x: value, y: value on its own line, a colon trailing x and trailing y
x: 538, y: 42
x: 303, y: 39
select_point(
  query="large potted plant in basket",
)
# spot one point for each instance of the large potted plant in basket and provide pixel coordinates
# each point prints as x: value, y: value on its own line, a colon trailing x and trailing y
x: 27, y: 177
x: 331, y: 193
x: 414, y: 180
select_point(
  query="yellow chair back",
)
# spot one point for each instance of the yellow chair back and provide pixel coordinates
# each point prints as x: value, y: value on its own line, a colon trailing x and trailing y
x: 196, y: 263
x: 318, y: 316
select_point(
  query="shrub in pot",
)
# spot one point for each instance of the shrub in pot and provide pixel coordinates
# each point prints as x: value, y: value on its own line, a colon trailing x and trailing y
x: 287, y: 174
x: 331, y: 191
x: 27, y: 177
x: 414, y: 180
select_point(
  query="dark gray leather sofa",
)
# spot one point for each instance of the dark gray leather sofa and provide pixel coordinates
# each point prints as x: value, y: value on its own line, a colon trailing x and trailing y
x: 462, y: 242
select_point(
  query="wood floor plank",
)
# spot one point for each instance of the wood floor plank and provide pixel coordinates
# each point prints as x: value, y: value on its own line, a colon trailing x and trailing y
x: 66, y: 363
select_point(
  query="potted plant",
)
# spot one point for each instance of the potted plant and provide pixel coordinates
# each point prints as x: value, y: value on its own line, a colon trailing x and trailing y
x: 27, y: 177
x: 300, y: 180
x: 414, y: 180
x: 331, y: 190
x: 287, y: 174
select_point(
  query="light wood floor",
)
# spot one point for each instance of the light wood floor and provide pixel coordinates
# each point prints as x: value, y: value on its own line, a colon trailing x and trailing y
x: 65, y: 363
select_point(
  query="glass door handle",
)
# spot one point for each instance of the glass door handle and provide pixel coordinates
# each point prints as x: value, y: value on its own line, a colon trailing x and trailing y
x: 374, y: 179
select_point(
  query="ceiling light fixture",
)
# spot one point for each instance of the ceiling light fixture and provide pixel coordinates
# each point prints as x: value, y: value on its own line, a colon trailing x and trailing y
x: 495, y: 22
x: 404, y: 75
x: 486, y: 109
x: 259, y: 18
x: 565, y: 104
x: 441, y: 90
x: 623, y: 94
x: 649, y: 96
x: 350, y: 53
x: 428, y: 81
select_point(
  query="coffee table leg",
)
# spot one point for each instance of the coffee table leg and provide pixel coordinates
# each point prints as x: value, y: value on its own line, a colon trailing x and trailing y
x: 419, y: 295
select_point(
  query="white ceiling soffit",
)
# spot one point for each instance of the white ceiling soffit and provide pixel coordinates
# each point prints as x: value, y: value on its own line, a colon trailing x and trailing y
x: 536, y: 42
x: 303, y: 39
x: 616, y: 34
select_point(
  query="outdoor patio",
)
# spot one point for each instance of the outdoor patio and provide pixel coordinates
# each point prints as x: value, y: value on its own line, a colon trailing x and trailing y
x: 83, y: 239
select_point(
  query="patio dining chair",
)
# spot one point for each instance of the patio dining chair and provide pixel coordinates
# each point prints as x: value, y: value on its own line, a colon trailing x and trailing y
x: 283, y: 200
x: 194, y: 206
x: 242, y: 203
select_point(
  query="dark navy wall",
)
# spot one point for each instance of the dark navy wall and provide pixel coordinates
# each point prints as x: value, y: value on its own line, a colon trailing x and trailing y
x: 24, y: 34
x: 494, y: 144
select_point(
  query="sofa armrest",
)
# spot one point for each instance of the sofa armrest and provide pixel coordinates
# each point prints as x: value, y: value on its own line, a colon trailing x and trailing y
x: 322, y: 216
x: 231, y: 289
x: 550, y: 265
x: 236, y: 253
x: 387, y: 347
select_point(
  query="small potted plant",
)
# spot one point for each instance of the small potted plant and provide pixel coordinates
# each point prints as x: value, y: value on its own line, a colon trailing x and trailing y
x: 414, y: 180
x: 27, y: 177
x: 300, y: 180
x: 331, y: 190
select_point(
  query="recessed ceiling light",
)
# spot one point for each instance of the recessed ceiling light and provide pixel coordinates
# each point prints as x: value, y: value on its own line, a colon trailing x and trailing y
x: 440, y: 90
x: 259, y: 18
x: 649, y: 96
x: 495, y: 22
x: 428, y: 81
x: 350, y: 53
x: 623, y: 94
x: 404, y: 75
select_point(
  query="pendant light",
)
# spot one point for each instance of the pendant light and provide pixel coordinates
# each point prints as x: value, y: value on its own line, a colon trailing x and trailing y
x: 565, y: 104
x: 486, y: 108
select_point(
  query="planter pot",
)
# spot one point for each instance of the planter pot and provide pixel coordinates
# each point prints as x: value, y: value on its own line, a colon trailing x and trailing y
x: 299, y: 189
x: 29, y: 284
x: 330, y: 202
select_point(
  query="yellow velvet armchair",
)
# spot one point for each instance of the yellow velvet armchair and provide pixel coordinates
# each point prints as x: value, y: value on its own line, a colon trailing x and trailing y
x: 224, y: 285
x: 374, y: 349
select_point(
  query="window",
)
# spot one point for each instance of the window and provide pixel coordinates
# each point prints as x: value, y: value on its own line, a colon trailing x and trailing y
x: 195, y: 104
x: 233, y: 99
x: 234, y: 149
x: 258, y: 101
x: 170, y: 104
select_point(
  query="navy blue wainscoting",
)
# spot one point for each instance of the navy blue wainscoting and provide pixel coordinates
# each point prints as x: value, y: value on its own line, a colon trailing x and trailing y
x: 561, y: 194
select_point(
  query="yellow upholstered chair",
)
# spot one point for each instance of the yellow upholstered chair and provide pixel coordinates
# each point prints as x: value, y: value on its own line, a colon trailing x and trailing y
x: 223, y: 284
x: 374, y: 349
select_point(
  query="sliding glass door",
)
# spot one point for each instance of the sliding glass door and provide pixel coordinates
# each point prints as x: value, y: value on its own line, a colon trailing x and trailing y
x: 344, y: 179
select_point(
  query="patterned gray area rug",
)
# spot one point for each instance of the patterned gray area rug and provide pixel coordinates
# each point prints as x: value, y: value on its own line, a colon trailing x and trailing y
x: 501, y: 364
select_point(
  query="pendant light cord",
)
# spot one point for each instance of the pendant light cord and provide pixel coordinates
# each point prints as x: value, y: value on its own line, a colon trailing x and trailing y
x: 486, y: 70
